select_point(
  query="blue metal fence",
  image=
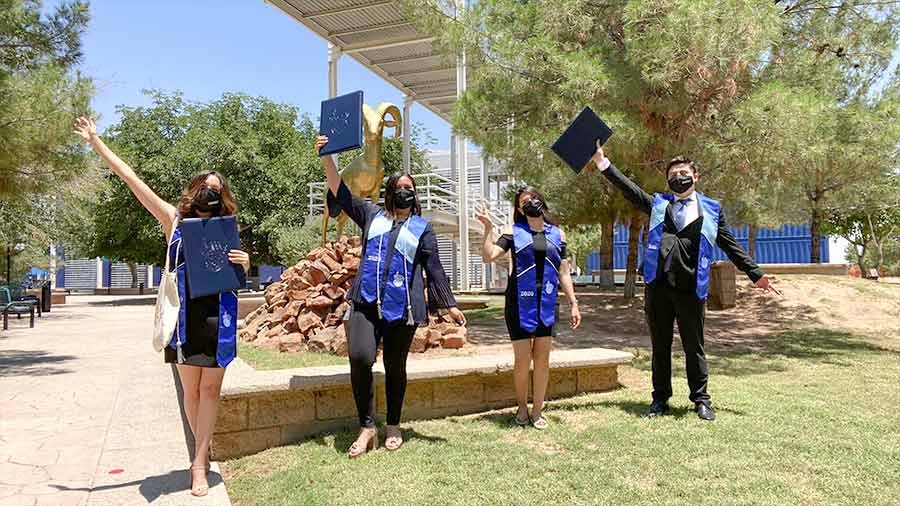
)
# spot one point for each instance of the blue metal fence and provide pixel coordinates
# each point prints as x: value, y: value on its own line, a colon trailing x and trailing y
x: 789, y: 244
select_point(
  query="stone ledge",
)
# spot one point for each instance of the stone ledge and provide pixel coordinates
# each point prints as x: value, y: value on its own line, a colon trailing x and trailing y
x: 262, y: 409
x: 243, y: 379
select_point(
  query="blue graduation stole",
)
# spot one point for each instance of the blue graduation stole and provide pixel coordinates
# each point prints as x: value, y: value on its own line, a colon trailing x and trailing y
x: 226, y: 349
x: 391, y: 295
x: 526, y: 276
x: 709, y: 210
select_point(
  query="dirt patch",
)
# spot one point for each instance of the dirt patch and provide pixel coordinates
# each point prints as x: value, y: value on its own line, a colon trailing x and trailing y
x: 848, y: 304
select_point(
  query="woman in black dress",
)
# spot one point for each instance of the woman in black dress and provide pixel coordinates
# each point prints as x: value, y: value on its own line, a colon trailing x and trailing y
x: 204, y: 341
x: 539, y: 268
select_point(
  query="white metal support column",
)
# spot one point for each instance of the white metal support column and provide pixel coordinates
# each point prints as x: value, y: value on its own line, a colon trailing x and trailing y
x: 52, y: 265
x: 487, y: 270
x: 99, y: 264
x: 463, y: 165
x: 150, y: 279
x: 407, y: 128
x: 334, y: 56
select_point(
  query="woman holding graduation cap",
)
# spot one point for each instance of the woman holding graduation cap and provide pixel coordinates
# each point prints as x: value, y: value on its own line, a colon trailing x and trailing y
x: 539, y: 268
x: 204, y: 341
x: 388, y: 295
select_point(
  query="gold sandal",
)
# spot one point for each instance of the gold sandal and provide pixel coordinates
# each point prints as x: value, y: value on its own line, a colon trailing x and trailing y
x: 198, y: 490
x: 358, y: 450
x: 393, y: 443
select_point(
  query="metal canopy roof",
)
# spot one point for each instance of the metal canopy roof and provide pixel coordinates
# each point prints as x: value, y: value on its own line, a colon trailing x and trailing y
x: 377, y: 34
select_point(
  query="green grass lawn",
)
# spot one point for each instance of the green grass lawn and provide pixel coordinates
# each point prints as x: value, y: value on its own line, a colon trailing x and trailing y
x: 805, y: 417
x: 265, y: 359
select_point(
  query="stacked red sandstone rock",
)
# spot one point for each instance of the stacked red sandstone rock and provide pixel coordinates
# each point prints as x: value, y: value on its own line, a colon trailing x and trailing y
x: 305, y: 310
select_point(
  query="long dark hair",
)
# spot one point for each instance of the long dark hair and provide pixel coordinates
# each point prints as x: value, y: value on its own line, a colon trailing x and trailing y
x: 185, y: 202
x: 391, y: 187
x: 530, y: 190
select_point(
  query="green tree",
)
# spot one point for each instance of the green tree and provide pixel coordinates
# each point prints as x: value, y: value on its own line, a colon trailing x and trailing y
x: 263, y: 148
x: 666, y: 74
x: 40, y: 95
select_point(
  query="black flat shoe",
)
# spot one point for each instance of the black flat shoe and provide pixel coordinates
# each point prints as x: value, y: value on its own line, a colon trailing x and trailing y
x: 705, y: 412
x: 657, y: 408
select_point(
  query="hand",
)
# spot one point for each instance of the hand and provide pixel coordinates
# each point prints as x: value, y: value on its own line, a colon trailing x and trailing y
x: 85, y: 128
x: 766, y: 284
x: 457, y: 316
x: 598, y: 158
x: 239, y: 257
x: 482, y: 215
x: 321, y: 141
x: 576, y: 316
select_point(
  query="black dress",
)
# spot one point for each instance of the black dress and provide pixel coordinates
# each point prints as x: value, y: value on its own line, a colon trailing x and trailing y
x: 202, y: 329
x: 511, y: 311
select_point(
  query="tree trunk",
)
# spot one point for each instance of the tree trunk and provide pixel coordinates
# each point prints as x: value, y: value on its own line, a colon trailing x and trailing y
x: 861, y: 260
x: 815, y: 229
x: 607, y: 230
x: 634, y: 230
x: 134, y: 274
x: 751, y: 241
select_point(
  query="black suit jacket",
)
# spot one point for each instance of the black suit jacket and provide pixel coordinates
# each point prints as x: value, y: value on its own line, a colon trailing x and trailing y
x: 679, y: 251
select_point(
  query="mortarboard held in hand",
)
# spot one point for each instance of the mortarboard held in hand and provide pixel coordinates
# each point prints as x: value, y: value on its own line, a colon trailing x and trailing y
x: 579, y: 142
x: 342, y: 123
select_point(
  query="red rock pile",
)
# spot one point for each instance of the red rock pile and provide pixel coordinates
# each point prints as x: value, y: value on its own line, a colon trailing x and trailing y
x: 305, y: 310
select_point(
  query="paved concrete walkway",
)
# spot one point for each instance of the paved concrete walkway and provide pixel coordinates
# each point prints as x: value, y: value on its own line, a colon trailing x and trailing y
x: 89, y: 414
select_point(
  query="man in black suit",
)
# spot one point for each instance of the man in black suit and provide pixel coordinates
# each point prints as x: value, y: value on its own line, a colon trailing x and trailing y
x: 685, y: 227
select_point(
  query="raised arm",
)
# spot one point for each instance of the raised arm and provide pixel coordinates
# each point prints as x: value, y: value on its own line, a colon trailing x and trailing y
x: 634, y: 193
x: 490, y: 252
x: 358, y: 209
x: 159, y: 208
x: 331, y: 171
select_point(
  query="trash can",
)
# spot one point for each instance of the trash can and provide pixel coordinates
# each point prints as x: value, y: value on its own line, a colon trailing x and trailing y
x: 46, y: 297
x: 722, y: 286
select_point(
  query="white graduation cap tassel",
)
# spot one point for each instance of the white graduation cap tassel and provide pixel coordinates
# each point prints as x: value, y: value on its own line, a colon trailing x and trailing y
x: 180, y: 353
x: 409, y: 316
x: 379, y: 310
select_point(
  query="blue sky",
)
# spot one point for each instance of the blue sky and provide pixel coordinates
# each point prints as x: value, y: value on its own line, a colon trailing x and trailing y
x: 206, y: 48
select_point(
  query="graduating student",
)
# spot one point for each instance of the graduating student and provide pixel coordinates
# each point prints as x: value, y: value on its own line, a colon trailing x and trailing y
x: 685, y: 226
x: 205, y: 337
x: 539, y: 267
x: 388, y: 295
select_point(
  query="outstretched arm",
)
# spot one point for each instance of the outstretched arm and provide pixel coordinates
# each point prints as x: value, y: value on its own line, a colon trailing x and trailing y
x: 159, y: 208
x: 726, y: 241
x: 634, y: 193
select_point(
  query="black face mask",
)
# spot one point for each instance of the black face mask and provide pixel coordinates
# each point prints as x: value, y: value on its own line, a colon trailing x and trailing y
x: 404, y: 198
x: 681, y: 184
x: 208, y: 200
x: 534, y: 208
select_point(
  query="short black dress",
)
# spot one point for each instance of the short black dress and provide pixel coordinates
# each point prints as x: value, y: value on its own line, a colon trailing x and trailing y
x: 202, y: 328
x: 511, y: 311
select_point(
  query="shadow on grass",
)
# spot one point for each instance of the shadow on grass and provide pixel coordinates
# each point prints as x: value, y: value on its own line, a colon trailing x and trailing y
x: 766, y: 354
x: 343, y: 439
x: 632, y: 408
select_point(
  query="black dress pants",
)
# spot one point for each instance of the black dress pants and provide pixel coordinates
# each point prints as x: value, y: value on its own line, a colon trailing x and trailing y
x: 664, y: 306
x: 364, y: 331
